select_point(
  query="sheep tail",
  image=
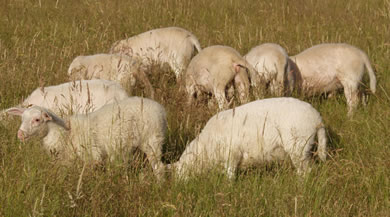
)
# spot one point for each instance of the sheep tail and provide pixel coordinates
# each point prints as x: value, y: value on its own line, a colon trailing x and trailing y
x: 322, y: 140
x: 196, y: 43
x: 370, y: 72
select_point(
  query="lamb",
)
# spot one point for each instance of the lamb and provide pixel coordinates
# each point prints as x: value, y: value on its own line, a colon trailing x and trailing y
x: 75, y: 97
x: 273, y: 64
x: 212, y: 71
x: 260, y: 131
x: 326, y: 68
x: 172, y: 45
x: 120, y: 68
x: 113, y: 129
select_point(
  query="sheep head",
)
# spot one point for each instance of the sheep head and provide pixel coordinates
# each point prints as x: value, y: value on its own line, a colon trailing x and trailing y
x: 34, y: 121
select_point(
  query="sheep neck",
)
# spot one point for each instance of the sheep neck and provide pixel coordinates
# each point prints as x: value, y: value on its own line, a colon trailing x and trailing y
x: 55, y: 137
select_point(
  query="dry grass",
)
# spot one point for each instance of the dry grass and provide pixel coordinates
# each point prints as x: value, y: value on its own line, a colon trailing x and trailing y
x: 39, y: 39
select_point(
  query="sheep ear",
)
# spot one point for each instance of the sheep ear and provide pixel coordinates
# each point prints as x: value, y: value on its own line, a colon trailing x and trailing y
x: 15, y: 111
x: 47, y: 116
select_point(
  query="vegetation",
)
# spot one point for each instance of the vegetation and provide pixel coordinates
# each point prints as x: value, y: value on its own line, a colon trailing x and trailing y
x: 39, y: 39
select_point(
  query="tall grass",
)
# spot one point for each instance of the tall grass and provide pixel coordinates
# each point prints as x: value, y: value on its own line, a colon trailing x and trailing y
x: 39, y: 39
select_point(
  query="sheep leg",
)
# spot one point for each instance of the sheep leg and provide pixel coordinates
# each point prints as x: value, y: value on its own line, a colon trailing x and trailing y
x: 300, y: 155
x: 275, y: 88
x: 230, y: 91
x: 231, y: 171
x: 231, y: 166
x: 219, y: 93
x: 331, y: 94
x: 177, y: 66
x: 301, y: 164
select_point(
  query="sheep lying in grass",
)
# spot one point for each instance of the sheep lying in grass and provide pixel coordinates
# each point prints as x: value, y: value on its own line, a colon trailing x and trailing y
x: 260, y: 131
x: 272, y: 63
x: 328, y: 67
x: 75, y: 97
x: 113, y: 129
x: 172, y: 45
x: 120, y: 68
x: 212, y: 71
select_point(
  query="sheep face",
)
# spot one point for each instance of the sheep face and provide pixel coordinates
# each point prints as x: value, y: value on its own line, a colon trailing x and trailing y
x: 34, y: 122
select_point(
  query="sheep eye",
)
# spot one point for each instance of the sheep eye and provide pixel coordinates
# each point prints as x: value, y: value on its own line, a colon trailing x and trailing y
x: 37, y: 120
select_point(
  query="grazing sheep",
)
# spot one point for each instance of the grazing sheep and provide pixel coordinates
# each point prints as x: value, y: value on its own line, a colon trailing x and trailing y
x: 172, y: 45
x: 328, y: 67
x: 272, y: 63
x: 114, y: 67
x: 75, y: 97
x: 113, y: 129
x: 215, y: 68
x: 260, y: 131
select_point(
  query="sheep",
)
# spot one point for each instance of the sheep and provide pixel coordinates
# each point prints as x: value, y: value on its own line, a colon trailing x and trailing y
x: 326, y: 68
x: 273, y: 64
x: 260, y: 131
x: 111, y: 130
x: 172, y: 45
x: 212, y: 71
x: 120, y: 68
x: 75, y: 97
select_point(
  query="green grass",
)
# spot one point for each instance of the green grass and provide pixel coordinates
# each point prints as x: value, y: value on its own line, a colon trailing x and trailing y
x: 39, y: 39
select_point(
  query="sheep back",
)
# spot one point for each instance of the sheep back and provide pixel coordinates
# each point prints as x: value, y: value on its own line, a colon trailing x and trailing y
x: 77, y: 96
x: 172, y: 45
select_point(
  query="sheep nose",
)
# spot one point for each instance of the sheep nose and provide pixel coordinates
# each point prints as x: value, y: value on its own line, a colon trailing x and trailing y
x: 21, y: 135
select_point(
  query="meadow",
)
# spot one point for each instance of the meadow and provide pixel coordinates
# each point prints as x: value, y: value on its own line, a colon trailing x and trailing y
x: 40, y: 38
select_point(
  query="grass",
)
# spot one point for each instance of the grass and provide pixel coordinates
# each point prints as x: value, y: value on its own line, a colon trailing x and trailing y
x: 39, y: 39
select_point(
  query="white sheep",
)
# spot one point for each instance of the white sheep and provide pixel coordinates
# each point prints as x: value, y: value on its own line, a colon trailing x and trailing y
x: 120, y: 68
x: 327, y: 67
x: 113, y: 129
x: 272, y: 63
x: 260, y: 131
x: 75, y: 97
x: 213, y: 70
x: 172, y: 45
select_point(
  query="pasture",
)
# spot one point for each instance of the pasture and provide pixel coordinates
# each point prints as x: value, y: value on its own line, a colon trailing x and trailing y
x: 40, y: 38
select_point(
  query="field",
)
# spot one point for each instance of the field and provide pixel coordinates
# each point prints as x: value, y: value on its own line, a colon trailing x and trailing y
x: 39, y: 39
